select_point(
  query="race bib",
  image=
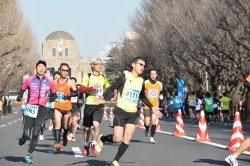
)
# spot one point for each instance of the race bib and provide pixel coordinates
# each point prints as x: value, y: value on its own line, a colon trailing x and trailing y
x: 192, y: 102
x: 177, y: 101
x: 61, y: 98
x: 132, y: 95
x: 215, y: 105
x: 152, y: 93
x: 99, y: 91
x: 73, y: 99
x: 209, y: 102
x: 31, y: 110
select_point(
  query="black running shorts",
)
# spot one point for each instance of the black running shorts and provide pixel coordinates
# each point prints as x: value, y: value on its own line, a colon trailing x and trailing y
x: 75, y: 111
x: 121, y: 117
x: 92, y: 113
x: 225, y: 111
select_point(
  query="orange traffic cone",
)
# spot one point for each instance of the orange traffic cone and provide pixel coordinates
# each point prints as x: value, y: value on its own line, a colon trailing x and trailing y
x: 202, y: 132
x: 158, y: 126
x: 141, y: 120
x: 111, y: 114
x: 105, y: 116
x: 179, y: 128
x: 237, y: 136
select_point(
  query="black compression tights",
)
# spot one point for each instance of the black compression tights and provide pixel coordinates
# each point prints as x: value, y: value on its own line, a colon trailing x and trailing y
x: 43, y: 128
x: 34, y: 140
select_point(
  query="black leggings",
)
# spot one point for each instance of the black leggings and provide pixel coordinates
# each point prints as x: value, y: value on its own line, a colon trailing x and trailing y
x: 36, y: 124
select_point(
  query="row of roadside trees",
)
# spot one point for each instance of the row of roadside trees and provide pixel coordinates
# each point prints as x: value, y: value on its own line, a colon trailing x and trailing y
x: 189, y: 39
x: 18, y: 46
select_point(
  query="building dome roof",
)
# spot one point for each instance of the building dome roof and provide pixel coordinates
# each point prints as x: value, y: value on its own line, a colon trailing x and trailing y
x: 58, y: 35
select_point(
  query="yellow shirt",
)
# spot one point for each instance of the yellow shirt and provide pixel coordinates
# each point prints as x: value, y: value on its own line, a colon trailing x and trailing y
x: 91, y: 81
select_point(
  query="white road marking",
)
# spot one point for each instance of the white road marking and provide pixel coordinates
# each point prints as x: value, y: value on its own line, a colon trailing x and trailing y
x: 208, y: 143
x: 77, y: 152
x: 15, y: 112
x: 10, y: 123
x: 2, y: 125
x: 15, y: 121
x: 18, y: 119
x: 195, y: 125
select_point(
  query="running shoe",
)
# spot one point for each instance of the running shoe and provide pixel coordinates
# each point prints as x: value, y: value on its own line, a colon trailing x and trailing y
x: 21, y: 141
x: 50, y: 127
x: 152, y: 141
x: 146, y: 133
x: 94, y: 151
x: 41, y: 138
x: 99, y: 145
x: 65, y: 141
x: 58, y: 147
x: 115, y: 163
x: 231, y: 160
x: 85, y: 151
x: 69, y: 136
x: 225, y: 124
x: 28, y: 160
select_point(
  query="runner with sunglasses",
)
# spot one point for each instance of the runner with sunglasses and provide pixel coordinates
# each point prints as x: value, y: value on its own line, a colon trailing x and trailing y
x: 65, y: 91
x: 35, y: 110
x: 130, y: 89
x: 93, y: 112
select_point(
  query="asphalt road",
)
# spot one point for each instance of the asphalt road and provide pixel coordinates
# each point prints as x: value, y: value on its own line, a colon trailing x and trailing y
x: 168, y: 150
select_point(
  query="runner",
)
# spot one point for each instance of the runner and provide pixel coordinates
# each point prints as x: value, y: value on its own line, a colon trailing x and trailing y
x: 35, y: 109
x: 177, y: 102
x: 93, y: 112
x: 198, y: 106
x: 153, y: 89
x: 191, y: 106
x: 131, y: 88
x: 216, y: 103
x: 65, y: 89
x: 226, y: 104
x: 75, y: 111
x: 208, y: 105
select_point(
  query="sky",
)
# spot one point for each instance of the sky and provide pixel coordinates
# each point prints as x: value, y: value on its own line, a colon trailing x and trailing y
x: 93, y: 23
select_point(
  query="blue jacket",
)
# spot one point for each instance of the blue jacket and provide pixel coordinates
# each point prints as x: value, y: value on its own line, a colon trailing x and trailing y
x: 177, y: 102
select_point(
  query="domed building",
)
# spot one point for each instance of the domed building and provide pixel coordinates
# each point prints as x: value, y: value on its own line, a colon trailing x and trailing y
x: 69, y: 54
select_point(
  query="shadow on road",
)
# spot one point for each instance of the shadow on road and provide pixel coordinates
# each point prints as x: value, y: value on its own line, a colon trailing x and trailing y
x: 96, y: 163
x: 14, y: 159
x: 212, y: 162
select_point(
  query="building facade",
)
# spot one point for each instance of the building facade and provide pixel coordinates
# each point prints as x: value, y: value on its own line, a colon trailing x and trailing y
x: 69, y: 55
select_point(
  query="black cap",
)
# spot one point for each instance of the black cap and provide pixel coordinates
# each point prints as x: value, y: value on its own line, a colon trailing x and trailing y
x: 41, y: 62
x: 124, y: 69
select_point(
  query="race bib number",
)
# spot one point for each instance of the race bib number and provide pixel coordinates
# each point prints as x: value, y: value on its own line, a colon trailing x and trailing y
x: 177, y: 101
x: 215, y: 105
x: 210, y: 102
x: 192, y: 102
x: 73, y: 99
x: 99, y: 91
x: 152, y: 93
x: 31, y: 110
x: 132, y: 95
x: 61, y: 98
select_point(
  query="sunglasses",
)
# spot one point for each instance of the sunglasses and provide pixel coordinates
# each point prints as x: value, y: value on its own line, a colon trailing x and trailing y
x: 140, y: 64
x: 65, y: 70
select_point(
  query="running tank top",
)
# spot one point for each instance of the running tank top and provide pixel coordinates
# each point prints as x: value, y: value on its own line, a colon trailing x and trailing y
x: 63, y: 99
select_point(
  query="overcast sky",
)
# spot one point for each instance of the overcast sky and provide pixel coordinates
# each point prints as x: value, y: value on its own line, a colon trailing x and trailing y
x: 93, y: 23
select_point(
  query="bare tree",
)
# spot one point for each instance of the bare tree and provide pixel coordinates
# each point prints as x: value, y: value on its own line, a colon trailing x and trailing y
x: 18, y: 47
x: 188, y: 39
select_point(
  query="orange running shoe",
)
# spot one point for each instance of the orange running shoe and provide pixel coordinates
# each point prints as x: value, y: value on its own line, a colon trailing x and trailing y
x: 85, y: 151
x: 58, y: 147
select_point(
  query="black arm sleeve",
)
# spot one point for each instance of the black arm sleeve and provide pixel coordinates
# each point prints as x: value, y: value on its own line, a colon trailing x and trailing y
x: 20, y: 95
x: 116, y: 84
x: 143, y: 97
